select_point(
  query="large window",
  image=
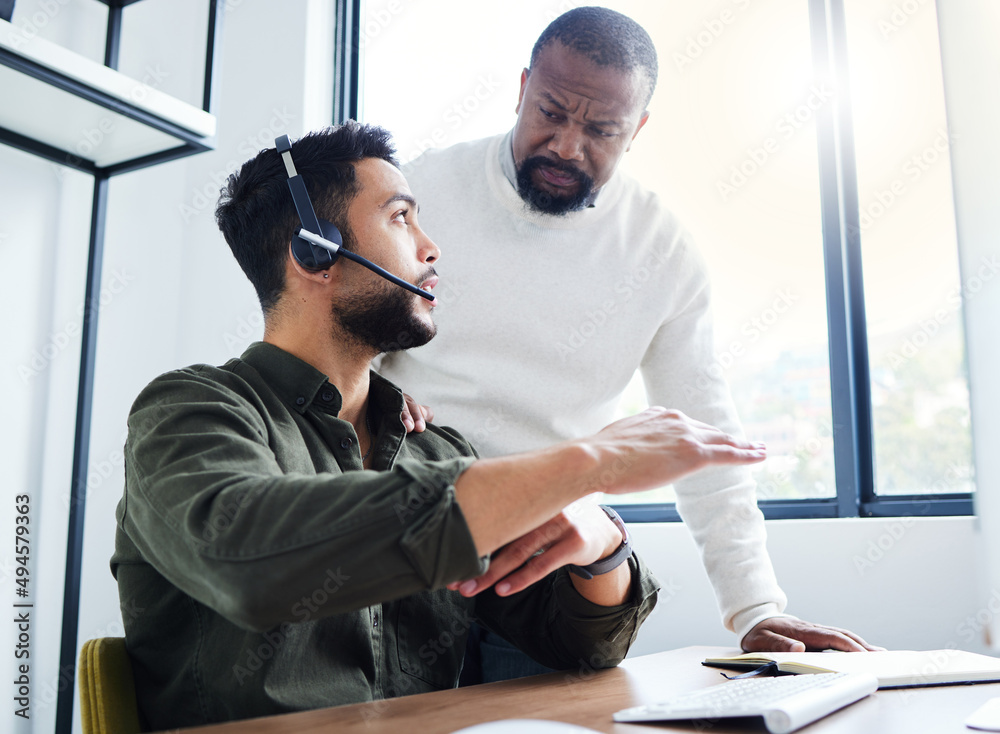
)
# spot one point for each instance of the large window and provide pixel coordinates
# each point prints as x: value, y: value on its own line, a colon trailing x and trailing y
x: 805, y: 146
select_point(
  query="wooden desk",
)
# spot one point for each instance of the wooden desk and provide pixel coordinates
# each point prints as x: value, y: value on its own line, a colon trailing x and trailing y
x: 589, y: 699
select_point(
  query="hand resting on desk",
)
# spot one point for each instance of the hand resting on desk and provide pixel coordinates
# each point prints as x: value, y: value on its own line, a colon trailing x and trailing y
x: 788, y: 634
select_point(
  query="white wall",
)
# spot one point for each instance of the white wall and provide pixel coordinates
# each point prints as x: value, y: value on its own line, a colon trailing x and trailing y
x: 903, y: 583
x: 971, y: 62
x: 175, y: 296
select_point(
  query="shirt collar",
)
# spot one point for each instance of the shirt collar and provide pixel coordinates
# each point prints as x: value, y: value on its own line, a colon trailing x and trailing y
x: 298, y: 384
x: 509, y: 167
x: 507, y: 164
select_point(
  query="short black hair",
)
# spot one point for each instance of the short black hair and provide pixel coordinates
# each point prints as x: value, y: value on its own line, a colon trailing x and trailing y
x: 606, y: 37
x: 255, y: 210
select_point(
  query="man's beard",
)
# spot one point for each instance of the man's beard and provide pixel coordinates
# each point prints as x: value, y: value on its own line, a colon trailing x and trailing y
x: 383, y: 317
x: 548, y: 203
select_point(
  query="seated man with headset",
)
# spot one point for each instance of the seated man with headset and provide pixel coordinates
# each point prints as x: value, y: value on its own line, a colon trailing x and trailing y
x: 287, y: 545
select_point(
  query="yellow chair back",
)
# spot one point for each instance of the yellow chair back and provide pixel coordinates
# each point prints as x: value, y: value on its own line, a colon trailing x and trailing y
x: 107, y: 693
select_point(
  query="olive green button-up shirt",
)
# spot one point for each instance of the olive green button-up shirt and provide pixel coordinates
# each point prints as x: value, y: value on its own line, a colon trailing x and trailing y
x: 262, y: 570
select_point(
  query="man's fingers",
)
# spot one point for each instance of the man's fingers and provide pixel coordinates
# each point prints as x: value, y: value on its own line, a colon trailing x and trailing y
x: 509, y: 559
x: 794, y: 635
x: 715, y: 437
x: 726, y: 454
x: 414, y: 415
x: 828, y: 639
x: 821, y: 637
x: 766, y: 640
x: 534, y: 570
x: 841, y: 639
x: 528, y: 559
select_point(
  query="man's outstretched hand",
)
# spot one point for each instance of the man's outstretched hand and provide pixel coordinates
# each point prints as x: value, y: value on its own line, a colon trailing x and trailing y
x: 787, y: 634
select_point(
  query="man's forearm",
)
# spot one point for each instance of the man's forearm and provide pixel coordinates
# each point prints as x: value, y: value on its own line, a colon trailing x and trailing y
x: 519, y: 497
x: 608, y: 590
x: 504, y: 498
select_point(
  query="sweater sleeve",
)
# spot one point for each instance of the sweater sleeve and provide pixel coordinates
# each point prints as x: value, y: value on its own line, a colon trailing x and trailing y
x: 718, y: 504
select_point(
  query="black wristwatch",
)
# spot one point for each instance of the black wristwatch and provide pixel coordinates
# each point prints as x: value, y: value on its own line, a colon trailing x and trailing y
x: 609, y: 563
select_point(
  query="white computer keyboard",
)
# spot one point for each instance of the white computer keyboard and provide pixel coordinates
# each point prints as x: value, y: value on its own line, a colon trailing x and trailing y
x: 786, y: 702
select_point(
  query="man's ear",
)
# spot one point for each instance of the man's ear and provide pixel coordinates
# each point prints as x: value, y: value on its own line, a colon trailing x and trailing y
x: 520, y: 95
x: 294, y: 269
x: 642, y: 121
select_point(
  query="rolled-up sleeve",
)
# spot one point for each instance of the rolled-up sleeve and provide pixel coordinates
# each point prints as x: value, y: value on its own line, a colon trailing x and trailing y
x: 561, y: 629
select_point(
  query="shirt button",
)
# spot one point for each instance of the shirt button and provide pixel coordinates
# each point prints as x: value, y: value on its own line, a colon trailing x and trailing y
x: 327, y: 396
x: 345, y: 443
x: 300, y: 400
x: 375, y: 623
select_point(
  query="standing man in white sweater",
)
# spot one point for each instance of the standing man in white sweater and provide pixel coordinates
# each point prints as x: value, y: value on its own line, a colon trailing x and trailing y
x: 566, y: 276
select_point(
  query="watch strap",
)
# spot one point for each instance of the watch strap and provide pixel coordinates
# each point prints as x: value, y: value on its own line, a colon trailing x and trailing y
x: 608, y: 563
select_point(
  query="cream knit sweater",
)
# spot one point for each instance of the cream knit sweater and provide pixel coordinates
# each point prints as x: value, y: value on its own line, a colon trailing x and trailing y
x: 543, y: 320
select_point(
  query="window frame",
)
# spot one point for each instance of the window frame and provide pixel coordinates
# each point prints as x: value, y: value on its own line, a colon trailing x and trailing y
x: 850, y: 385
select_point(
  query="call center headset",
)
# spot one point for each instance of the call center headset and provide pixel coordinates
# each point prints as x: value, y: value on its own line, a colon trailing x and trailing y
x: 317, y: 244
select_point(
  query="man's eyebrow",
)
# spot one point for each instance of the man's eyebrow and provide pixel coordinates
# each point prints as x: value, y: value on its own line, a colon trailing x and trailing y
x: 562, y: 108
x: 554, y: 102
x: 400, y: 196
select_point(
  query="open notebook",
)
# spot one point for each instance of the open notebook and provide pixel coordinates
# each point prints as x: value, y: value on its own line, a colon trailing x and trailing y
x: 893, y: 668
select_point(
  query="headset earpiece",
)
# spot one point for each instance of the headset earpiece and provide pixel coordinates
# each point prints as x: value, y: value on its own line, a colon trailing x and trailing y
x: 313, y: 257
x: 306, y: 254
